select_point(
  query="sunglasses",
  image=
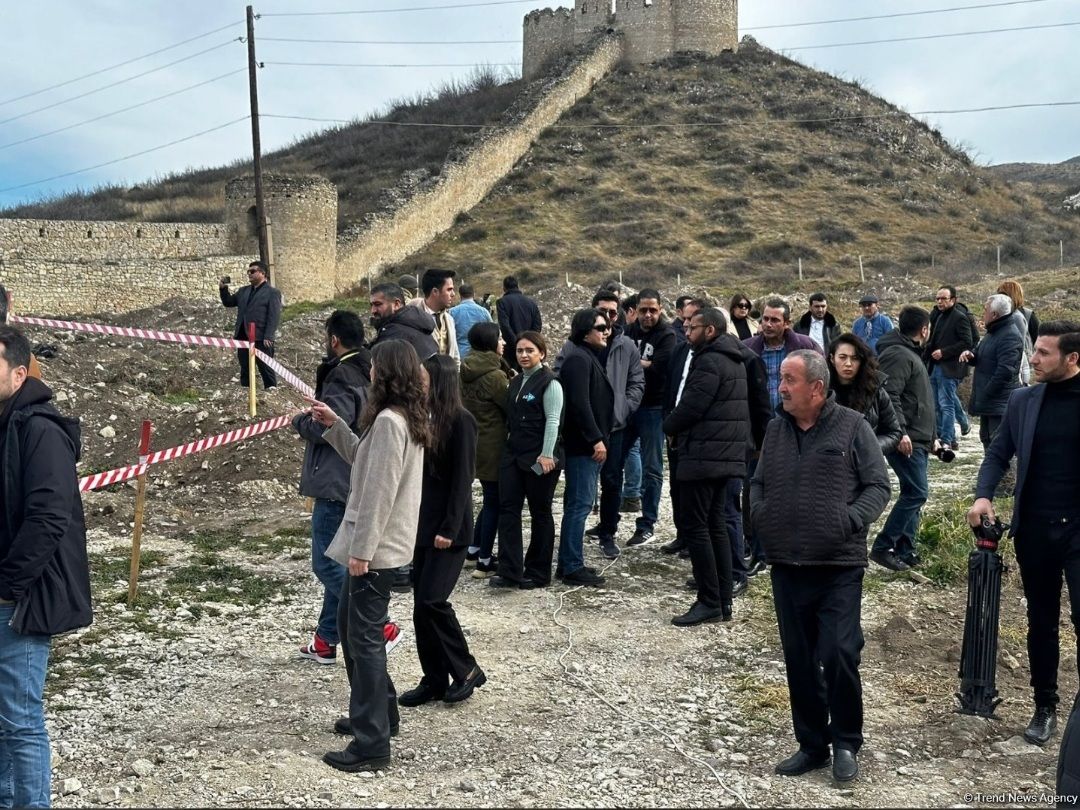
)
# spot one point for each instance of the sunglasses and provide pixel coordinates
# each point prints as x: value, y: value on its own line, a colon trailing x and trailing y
x: 611, y: 314
x: 601, y: 327
x: 743, y: 305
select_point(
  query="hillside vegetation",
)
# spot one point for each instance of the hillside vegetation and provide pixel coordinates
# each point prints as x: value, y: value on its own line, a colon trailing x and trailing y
x: 756, y: 182
x: 363, y: 159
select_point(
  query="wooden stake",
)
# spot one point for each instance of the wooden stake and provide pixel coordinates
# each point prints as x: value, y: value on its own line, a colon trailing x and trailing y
x: 999, y: 258
x: 252, y: 371
x: 140, y: 504
x: 862, y: 273
x: 1061, y: 249
x: 800, y: 268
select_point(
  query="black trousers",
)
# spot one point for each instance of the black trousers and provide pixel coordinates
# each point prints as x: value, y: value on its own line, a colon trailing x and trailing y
x: 269, y: 376
x: 702, y: 525
x: 1048, y: 551
x: 440, y: 644
x: 516, y: 486
x: 611, y: 483
x: 363, y: 610
x: 818, y: 610
x: 988, y: 428
x: 675, y: 492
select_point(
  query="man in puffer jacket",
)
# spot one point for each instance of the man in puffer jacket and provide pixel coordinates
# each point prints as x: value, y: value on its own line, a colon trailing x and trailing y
x: 997, y: 361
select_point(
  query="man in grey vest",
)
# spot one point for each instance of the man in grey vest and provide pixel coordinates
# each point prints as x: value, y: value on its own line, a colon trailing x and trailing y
x: 819, y: 485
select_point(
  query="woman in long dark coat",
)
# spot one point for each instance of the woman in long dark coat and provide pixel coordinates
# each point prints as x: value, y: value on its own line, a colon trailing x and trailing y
x: 442, y: 539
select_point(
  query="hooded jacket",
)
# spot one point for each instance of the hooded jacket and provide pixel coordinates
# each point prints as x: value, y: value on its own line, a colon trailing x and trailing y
x: 413, y: 325
x: 340, y: 382
x: 43, y: 560
x: 485, y: 378
x: 908, y: 383
x: 710, y: 425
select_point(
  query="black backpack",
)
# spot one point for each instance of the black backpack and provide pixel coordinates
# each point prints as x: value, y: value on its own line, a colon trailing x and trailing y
x: 1068, y: 772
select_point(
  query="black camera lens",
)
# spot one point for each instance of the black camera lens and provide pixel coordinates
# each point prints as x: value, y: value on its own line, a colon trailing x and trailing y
x: 946, y: 454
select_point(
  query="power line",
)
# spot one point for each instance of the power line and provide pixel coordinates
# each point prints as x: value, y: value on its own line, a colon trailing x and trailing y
x: 125, y: 157
x: 892, y: 16
x: 394, y: 42
x: 929, y: 36
x: 397, y: 10
x: 117, y: 83
x: 693, y: 124
x: 122, y: 110
x: 119, y: 64
x: 398, y: 65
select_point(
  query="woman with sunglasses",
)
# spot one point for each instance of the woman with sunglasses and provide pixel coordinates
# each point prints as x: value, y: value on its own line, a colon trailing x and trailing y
x: 590, y: 413
x: 529, y: 469
x: 741, y: 324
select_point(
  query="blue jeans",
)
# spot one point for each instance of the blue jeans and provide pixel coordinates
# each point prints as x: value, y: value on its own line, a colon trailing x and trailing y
x: 945, y: 400
x: 902, y: 525
x: 25, y: 771
x: 631, y: 470
x: 487, y: 522
x: 958, y: 409
x: 579, y: 492
x: 325, y: 518
x: 647, y: 424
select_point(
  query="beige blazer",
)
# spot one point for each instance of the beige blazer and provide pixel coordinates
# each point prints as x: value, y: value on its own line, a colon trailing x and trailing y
x: 383, y: 509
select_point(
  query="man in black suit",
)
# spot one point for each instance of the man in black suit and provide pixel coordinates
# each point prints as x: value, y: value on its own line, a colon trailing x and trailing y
x: 258, y: 304
x: 1040, y: 427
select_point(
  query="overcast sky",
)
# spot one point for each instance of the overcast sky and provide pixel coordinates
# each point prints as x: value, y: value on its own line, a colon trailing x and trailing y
x: 53, y: 41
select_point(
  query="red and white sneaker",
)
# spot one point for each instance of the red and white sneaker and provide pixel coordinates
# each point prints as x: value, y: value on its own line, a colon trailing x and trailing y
x: 319, y: 651
x: 393, y: 634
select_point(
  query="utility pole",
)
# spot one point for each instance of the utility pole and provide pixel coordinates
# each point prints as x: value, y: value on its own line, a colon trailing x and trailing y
x: 256, y: 148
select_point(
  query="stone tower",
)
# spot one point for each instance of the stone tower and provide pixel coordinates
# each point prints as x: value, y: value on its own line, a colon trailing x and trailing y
x: 303, y: 225
x: 651, y: 29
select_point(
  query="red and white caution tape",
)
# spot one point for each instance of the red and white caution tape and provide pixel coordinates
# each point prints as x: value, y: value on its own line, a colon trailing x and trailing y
x: 124, y: 331
x: 285, y: 374
x: 104, y: 479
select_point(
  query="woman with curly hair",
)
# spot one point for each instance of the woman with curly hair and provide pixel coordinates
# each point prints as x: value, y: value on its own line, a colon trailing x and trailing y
x: 446, y: 527
x: 376, y: 536
x: 854, y: 377
x: 740, y: 324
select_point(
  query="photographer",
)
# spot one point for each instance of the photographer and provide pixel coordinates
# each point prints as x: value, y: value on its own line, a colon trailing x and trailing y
x: 1041, y: 430
x: 260, y: 304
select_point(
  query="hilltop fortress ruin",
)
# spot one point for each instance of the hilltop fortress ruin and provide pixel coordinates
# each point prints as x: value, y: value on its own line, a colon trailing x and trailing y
x: 651, y: 29
x: 60, y: 268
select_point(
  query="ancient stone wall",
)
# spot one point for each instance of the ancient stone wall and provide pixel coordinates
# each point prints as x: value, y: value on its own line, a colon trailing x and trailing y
x: 710, y: 26
x: 71, y: 240
x: 395, y: 235
x: 649, y: 29
x: 590, y: 16
x: 303, y: 227
x: 546, y: 34
x: 52, y: 287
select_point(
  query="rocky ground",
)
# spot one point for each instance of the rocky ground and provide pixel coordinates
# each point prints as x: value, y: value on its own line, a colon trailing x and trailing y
x: 194, y: 696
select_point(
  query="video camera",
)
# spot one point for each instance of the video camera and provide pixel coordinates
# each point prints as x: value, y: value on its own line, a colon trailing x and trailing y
x: 988, y: 533
x: 945, y: 453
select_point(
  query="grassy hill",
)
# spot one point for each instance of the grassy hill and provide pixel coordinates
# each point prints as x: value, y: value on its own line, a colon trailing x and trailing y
x: 362, y: 159
x: 756, y: 182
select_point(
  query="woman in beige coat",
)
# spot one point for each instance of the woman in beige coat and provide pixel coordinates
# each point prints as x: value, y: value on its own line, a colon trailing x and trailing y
x: 377, y: 535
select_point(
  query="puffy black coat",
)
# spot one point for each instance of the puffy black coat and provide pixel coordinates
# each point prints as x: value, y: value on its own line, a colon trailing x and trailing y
x: 710, y: 426
x: 908, y: 383
x: 412, y: 325
x: 997, y: 368
x: 589, y: 401
x: 342, y: 384
x: 880, y: 414
x: 258, y: 305
x: 516, y: 313
x: 952, y: 331
x: 43, y: 561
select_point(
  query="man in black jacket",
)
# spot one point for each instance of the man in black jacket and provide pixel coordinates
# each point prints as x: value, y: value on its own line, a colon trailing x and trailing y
x: 997, y: 361
x: 820, y: 484
x: 908, y: 384
x: 516, y: 313
x: 341, y: 382
x: 952, y: 332
x: 590, y: 409
x: 258, y: 304
x: 44, y: 574
x: 818, y: 323
x: 392, y: 320
x: 710, y: 429
x: 1041, y: 430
